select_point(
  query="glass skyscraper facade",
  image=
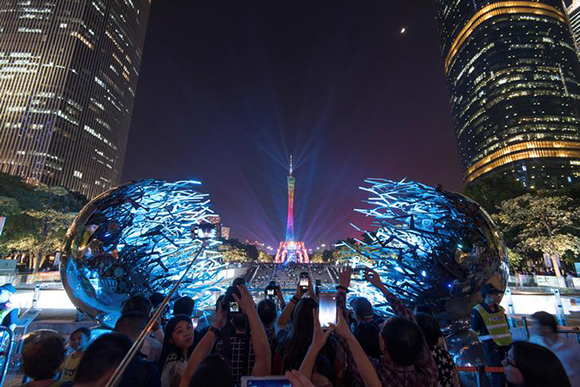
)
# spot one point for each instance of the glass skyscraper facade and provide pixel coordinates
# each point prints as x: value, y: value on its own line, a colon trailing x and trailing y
x: 513, y: 76
x: 68, y: 77
x: 574, y: 16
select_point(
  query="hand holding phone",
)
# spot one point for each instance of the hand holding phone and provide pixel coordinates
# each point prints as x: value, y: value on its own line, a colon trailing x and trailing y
x: 327, y: 308
x: 357, y: 274
x: 304, y: 281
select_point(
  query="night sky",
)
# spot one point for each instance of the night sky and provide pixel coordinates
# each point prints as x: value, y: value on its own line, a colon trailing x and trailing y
x: 229, y: 89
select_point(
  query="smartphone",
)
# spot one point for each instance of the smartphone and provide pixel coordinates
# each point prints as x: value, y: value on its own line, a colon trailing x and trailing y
x: 270, y: 292
x: 327, y: 308
x: 265, y: 381
x: 195, y: 322
x: 304, y: 279
x: 234, y: 307
x: 357, y: 274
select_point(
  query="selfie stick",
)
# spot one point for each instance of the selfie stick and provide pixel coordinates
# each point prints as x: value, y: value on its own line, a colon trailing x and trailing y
x: 118, y: 374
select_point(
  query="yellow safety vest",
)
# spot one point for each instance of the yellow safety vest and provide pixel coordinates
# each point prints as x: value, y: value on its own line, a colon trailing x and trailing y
x: 497, y: 326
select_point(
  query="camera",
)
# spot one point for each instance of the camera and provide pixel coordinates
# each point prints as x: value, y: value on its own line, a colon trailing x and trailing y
x: 271, y: 289
x: 230, y: 303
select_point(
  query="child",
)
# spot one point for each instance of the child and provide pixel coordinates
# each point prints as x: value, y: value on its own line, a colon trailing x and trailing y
x: 79, y: 342
x: 177, y: 345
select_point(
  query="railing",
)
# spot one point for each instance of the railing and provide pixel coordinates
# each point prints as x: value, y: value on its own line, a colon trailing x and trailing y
x: 543, y: 281
x: 481, y: 373
x: 6, y: 337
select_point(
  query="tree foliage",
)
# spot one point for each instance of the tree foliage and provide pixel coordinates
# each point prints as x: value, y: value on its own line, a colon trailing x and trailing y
x: 491, y: 191
x: 540, y: 223
x: 37, y: 216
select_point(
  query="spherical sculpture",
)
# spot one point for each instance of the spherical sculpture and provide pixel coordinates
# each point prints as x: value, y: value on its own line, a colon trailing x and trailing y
x: 137, y: 239
x: 431, y: 247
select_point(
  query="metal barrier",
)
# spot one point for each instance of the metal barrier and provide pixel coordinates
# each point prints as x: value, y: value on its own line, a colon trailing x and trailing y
x: 481, y: 373
x: 5, y: 351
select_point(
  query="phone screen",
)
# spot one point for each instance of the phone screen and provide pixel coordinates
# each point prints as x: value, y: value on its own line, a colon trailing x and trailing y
x: 267, y: 381
x: 234, y: 307
x: 194, y: 322
x: 327, y: 308
x: 270, y: 292
x: 357, y: 274
x: 304, y: 280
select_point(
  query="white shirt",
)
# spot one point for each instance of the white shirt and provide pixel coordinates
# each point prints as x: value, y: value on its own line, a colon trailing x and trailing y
x: 568, y: 352
x: 173, y: 369
x: 151, y: 348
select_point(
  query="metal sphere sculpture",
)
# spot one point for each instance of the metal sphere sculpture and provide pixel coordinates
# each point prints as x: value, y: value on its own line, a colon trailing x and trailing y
x: 431, y: 247
x: 137, y: 239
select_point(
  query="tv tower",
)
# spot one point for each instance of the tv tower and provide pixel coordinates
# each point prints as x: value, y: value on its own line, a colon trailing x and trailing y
x: 290, y: 250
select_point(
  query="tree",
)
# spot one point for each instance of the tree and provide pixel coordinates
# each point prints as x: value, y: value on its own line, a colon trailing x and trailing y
x: 542, y: 223
x: 37, y: 217
x: 491, y: 191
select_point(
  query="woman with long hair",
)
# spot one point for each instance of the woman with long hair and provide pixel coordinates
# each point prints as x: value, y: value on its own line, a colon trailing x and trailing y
x: 531, y: 365
x: 293, y: 348
x: 177, y: 346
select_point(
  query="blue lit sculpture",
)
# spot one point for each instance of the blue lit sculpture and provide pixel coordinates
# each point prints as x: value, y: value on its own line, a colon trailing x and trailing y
x: 431, y: 247
x: 137, y: 239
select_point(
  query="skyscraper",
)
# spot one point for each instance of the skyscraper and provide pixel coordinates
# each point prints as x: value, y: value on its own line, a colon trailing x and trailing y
x: 574, y: 16
x: 513, y: 75
x: 68, y: 76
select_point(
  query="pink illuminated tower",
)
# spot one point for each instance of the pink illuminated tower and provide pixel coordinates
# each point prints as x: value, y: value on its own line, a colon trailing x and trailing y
x: 290, y: 250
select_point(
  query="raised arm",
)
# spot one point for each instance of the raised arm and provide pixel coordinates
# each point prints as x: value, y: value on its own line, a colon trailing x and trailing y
x: 260, y: 342
x: 319, y: 338
x: 398, y: 307
x: 205, y: 346
x: 287, y: 312
x: 425, y: 365
x: 364, y: 368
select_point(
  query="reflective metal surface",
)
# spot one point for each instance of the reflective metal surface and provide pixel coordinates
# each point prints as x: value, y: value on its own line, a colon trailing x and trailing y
x: 137, y: 239
x: 431, y: 247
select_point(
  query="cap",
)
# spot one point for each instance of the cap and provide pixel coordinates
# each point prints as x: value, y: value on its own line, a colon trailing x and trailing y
x: 8, y: 287
x: 489, y: 289
x: 362, y: 307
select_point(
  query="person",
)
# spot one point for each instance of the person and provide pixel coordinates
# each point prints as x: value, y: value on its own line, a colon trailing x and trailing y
x: 156, y: 299
x: 136, y: 303
x: 488, y: 319
x: 268, y: 313
x: 152, y: 345
x: 184, y: 305
x: 287, y: 312
x: 42, y: 354
x: 179, y: 338
x: 292, y: 349
x: 131, y: 325
x: 214, y: 371
x: 446, y: 371
x: 405, y: 358
x: 245, y: 358
x: 101, y: 359
x: 79, y: 342
x: 8, y: 312
x: 545, y: 330
x: 367, y: 334
x: 363, y: 310
x: 532, y: 365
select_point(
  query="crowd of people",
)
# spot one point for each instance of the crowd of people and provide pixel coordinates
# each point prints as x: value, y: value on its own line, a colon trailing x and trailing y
x: 276, y: 337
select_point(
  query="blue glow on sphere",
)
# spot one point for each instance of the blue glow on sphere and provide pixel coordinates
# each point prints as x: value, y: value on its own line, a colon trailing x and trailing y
x: 431, y: 247
x: 138, y: 239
